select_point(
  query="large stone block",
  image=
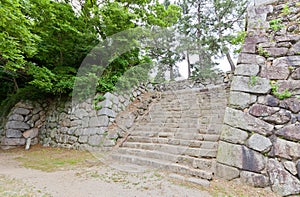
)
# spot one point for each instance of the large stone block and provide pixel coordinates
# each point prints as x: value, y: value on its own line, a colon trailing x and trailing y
x: 292, y: 104
x: 101, y: 121
x: 233, y: 135
x: 252, y: 85
x: 107, y: 112
x: 13, y: 141
x: 279, y: 118
x: 11, y: 133
x: 259, y: 143
x: 282, y: 182
x: 226, y: 172
x: 16, y: 117
x: 95, y: 140
x: 17, y: 125
x: 80, y: 113
x: 31, y: 133
x: 21, y: 111
x: 291, y: 132
x: 247, y: 69
x: 254, y: 179
x: 259, y: 110
x: 275, y: 72
x: 286, y: 149
x: 276, y: 51
x: 290, y: 85
x: 289, y: 60
x: 245, y: 58
x: 240, y: 157
x: 241, y: 100
x: 243, y: 120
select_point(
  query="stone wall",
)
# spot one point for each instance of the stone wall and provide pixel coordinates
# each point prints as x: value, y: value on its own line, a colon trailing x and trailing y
x: 92, y: 123
x: 261, y: 132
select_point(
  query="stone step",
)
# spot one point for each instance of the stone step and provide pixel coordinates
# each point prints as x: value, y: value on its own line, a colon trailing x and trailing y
x: 160, y: 127
x: 203, y: 164
x: 164, y: 165
x: 174, y: 149
x: 179, y: 135
x: 172, y: 141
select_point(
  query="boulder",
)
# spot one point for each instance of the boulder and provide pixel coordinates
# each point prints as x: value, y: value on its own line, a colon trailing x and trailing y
x: 31, y: 133
x: 282, y: 182
x: 259, y: 143
x: 17, y: 125
x: 254, y: 179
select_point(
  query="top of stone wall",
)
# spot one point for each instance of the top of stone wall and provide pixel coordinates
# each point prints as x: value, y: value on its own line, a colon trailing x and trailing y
x: 262, y: 2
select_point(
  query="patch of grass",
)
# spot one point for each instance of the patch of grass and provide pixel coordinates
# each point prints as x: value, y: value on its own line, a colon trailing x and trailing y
x: 16, y: 188
x: 276, y: 24
x: 52, y: 159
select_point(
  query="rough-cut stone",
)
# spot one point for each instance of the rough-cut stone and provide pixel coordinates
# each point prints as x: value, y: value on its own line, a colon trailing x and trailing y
x: 226, y: 172
x: 290, y: 166
x: 31, y: 133
x: 242, y: 120
x: 17, y: 125
x: 277, y: 52
x: 101, y: 121
x: 83, y: 139
x: 241, y: 100
x: 16, y: 117
x: 247, y: 69
x: 295, y: 48
x: 21, y: 111
x: 245, y: 58
x: 291, y: 132
x: 282, y: 182
x: 13, y: 133
x: 106, y: 104
x: 249, y: 48
x: 256, y: 39
x: 281, y: 117
x: 296, y: 74
x: 240, y: 157
x: 289, y: 60
x: 286, y: 149
x: 13, y: 141
x: 292, y: 104
x: 269, y: 100
x: 290, y: 85
x: 233, y: 135
x: 95, y: 140
x: 259, y: 143
x: 259, y: 110
x: 275, y: 72
x: 246, y: 84
x: 107, y: 112
x: 109, y: 143
x: 80, y: 113
x: 254, y: 179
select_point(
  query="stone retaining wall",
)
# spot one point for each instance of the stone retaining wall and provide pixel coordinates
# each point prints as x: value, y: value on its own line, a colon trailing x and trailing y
x: 261, y: 132
x: 92, y: 123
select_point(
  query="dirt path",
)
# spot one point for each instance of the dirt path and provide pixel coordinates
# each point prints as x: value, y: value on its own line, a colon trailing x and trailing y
x: 86, y: 181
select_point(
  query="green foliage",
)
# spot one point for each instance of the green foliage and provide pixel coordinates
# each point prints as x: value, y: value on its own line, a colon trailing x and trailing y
x: 253, y: 81
x: 261, y: 51
x: 280, y: 95
x: 285, y: 9
x: 276, y: 24
x: 239, y: 39
x: 98, y: 99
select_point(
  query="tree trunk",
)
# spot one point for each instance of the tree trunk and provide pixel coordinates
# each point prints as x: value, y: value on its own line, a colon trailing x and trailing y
x: 189, y: 63
x: 171, y: 73
x: 232, y: 66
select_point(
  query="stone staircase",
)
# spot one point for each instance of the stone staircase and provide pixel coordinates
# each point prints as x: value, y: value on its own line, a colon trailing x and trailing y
x: 179, y: 134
